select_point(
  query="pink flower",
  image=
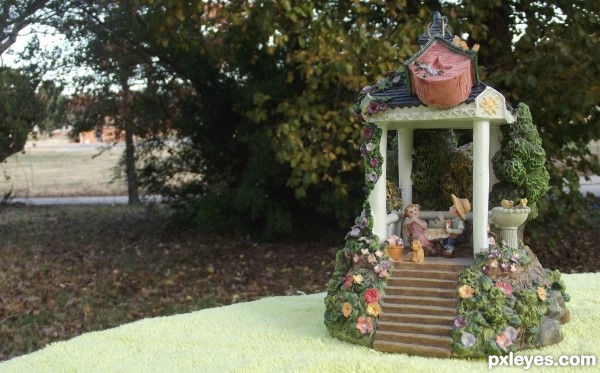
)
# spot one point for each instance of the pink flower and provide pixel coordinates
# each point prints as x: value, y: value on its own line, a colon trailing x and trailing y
x: 373, y: 108
x: 503, y: 340
x: 348, y: 282
x: 364, y: 325
x: 383, y: 106
x: 383, y: 274
x: 358, y: 117
x: 371, y: 259
x: 505, y: 287
x: 372, y: 296
x: 374, y: 162
x: 368, y: 133
x: 460, y: 322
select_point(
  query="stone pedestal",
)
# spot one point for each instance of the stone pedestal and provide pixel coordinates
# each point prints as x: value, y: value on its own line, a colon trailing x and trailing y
x: 508, y: 222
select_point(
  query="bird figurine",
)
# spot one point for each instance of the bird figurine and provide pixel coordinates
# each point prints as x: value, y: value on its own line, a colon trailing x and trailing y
x: 457, y: 41
x: 506, y: 204
x: 522, y: 203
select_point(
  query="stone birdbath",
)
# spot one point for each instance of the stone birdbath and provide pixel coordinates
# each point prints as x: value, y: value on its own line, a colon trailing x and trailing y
x: 508, y: 221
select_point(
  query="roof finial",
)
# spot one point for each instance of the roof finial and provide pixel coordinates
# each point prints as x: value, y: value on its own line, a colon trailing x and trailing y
x: 439, y: 27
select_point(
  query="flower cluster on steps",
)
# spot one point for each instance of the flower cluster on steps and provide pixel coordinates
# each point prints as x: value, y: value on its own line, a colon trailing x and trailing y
x: 498, y: 311
x: 352, y: 304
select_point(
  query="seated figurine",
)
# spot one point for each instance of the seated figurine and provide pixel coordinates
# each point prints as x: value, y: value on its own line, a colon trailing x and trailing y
x: 456, y: 225
x: 416, y: 228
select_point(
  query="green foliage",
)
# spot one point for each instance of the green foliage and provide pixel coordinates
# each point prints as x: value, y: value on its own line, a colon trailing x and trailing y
x: 500, y: 303
x: 430, y: 165
x: 356, y: 286
x: 20, y: 109
x: 458, y: 178
x: 291, y: 69
x: 520, y: 163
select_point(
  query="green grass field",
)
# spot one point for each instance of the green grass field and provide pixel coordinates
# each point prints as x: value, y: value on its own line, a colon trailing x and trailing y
x: 56, y: 168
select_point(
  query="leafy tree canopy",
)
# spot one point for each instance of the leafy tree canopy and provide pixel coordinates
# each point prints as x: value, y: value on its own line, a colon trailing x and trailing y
x: 20, y: 109
x: 262, y: 91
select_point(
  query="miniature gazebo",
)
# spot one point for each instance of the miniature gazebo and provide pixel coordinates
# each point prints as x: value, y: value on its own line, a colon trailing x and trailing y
x: 439, y: 89
x: 497, y: 300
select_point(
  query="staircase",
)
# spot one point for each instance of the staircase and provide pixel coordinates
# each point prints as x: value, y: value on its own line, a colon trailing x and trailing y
x: 418, y: 308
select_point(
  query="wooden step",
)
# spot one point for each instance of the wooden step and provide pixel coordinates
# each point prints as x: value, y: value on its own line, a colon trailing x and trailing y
x: 431, y: 266
x: 401, y: 327
x: 412, y: 349
x: 418, y: 309
x: 437, y: 274
x: 415, y: 338
x: 416, y: 299
x: 417, y: 318
x: 423, y: 282
x: 420, y: 291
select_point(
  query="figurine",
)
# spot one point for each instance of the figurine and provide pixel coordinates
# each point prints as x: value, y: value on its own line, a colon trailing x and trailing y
x: 507, y: 204
x: 417, y: 255
x: 456, y: 228
x: 416, y: 227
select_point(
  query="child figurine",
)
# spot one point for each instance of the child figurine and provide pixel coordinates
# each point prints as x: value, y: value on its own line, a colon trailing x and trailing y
x: 456, y: 228
x: 416, y: 227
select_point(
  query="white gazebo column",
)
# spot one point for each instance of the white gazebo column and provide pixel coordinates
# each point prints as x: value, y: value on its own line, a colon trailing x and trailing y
x: 481, y: 183
x: 377, y: 198
x: 405, y: 151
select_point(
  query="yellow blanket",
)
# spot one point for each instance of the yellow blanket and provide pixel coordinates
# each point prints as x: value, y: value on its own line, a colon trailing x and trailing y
x: 281, y: 334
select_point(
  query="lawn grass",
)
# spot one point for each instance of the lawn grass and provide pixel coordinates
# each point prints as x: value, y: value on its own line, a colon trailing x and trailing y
x: 55, y: 168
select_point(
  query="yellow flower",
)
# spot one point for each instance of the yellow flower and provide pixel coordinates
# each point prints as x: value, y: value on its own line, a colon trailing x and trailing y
x: 466, y: 291
x: 346, y: 309
x: 358, y: 278
x: 374, y: 309
x: 489, y: 105
x: 541, y: 293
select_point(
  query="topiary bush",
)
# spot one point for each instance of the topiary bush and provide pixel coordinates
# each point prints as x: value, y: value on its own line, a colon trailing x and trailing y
x: 520, y: 163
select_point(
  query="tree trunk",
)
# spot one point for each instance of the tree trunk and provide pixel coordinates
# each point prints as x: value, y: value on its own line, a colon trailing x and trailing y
x: 132, y: 182
x: 130, y: 172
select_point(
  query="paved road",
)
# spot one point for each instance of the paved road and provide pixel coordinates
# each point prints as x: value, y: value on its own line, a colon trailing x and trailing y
x: 96, y: 200
x: 593, y: 186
